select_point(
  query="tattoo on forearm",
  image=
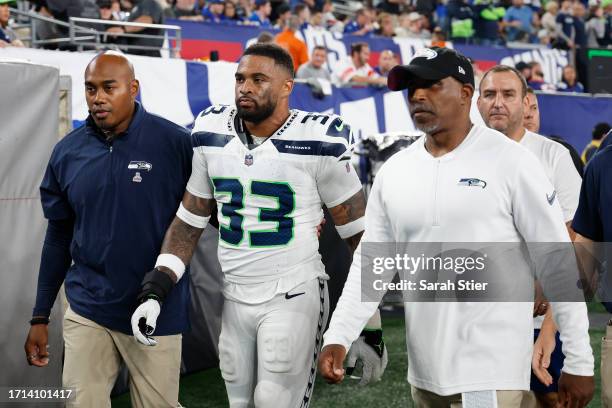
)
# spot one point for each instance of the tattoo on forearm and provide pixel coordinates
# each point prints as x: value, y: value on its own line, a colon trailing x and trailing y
x: 350, y: 210
x: 181, y: 238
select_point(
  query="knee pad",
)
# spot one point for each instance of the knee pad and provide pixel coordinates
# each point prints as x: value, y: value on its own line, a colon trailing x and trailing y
x: 271, y: 395
x: 276, y: 352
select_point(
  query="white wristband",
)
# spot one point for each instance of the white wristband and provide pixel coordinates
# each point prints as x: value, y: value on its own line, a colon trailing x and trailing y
x: 352, y: 228
x: 190, y: 218
x: 173, y: 263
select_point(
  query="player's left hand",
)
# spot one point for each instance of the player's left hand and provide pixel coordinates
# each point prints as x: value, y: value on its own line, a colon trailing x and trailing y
x: 144, y: 320
x: 575, y: 391
x: 370, y: 349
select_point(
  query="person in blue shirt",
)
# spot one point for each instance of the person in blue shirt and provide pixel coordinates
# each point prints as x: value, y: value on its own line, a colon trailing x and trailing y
x: 593, y: 224
x: 361, y: 25
x: 569, y: 82
x: 261, y: 14
x: 519, y: 22
x: 110, y: 191
x: 214, y: 11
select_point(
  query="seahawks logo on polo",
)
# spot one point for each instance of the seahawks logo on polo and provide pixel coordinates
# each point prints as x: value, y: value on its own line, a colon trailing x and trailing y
x: 472, y: 182
x: 140, y: 165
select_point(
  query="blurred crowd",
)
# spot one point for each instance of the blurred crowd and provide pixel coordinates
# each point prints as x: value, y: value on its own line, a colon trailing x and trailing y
x: 565, y: 25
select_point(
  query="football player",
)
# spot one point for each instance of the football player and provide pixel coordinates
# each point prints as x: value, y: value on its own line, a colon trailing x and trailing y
x: 269, y: 170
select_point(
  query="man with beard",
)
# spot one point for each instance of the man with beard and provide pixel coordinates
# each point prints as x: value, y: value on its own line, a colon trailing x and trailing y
x: 460, y: 183
x: 502, y: 103
x: 269, y: 170
x: 110, y: 191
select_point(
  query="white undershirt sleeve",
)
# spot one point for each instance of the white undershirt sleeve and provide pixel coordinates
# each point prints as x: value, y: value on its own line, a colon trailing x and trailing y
x: 567, y: 182
x: 352, y: 314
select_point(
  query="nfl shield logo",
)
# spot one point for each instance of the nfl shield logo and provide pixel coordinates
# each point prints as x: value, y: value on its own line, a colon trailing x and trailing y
x: 248, y: 159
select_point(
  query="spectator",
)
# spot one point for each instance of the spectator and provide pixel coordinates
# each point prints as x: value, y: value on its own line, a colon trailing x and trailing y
x: 386, y: 61
x: 386, y: 25
x: 487, y: 25
x: 214, y: 12
x: 579, y: 11
x: 303, y: 14
x: 243, y: 9
x: 296, y: 47
x: 596, y: 28
x: 461, y: 18
x: 536, y: 79
x: 411, y: 26
x: 231, y: 12
x: 315, y: 67
x: 186, y: 10
x: 607, y: 6
x: 519, y: 22
x: 565, y: 25
x: 8, y: 37
x: 361, y: 25
x: 329, y: 19
x: 438, y: 39
x: 356, y: 69
x: 284, y: 12
x: 146, y: 12
x: 569, y: 82
x: 531, y: 117
x: 316, y: 21
x: 524, y: 69
x: 551, y: 28
x: 599, y: 131
x: 265, y: 37
x: 105, y: 8
x: 391, y: 6
x: 261, y: 15
x: 44, y: 29
x: 426, y: 8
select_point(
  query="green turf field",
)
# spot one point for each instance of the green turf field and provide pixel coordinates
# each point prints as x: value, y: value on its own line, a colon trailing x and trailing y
x: 206, y: 389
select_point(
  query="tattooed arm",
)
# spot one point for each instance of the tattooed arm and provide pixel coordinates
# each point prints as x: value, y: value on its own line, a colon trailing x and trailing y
x: 351, y: 210
x: 181, y: 238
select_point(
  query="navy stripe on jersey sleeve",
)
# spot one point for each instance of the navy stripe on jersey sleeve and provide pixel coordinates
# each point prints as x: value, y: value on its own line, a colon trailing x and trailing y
x: 587, y: 219
x: 209, y: 139
x: 309, y: 148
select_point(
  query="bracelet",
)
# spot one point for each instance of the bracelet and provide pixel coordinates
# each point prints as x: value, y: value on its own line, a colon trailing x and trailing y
x: 39, y: 320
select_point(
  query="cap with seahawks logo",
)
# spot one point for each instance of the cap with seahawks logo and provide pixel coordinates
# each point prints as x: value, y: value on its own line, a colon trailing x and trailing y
x: 434, y: 64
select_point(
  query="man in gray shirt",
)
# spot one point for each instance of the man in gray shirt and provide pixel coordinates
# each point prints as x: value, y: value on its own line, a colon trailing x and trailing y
x: 314, y: 68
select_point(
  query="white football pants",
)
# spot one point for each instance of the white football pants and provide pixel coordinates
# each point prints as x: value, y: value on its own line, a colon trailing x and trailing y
x: 268, y: 352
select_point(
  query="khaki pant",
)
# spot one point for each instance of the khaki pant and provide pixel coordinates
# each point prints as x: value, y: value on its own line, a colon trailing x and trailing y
x: 427, y: 399
x: 606, y: 368
x: 92, y: 362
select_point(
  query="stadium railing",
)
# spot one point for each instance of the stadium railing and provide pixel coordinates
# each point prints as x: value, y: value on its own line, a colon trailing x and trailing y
x: 82, y: 35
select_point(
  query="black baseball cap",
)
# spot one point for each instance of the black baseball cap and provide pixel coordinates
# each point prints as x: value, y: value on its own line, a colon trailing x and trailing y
x: 434, y: 64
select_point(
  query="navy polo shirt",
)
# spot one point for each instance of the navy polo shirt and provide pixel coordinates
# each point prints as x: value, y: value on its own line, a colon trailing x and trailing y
x: 593, y: 218
x: 122, y: 196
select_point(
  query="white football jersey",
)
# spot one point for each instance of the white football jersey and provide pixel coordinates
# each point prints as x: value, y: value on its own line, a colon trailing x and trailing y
x: 269, y: 198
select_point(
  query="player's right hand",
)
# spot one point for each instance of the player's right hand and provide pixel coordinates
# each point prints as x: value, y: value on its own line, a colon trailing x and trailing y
x: 331, y: 362
x: 36, y: 345
x: 144, y: 321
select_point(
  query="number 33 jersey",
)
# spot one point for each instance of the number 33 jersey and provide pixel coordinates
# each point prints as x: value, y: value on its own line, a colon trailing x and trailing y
x: 269, y: 198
